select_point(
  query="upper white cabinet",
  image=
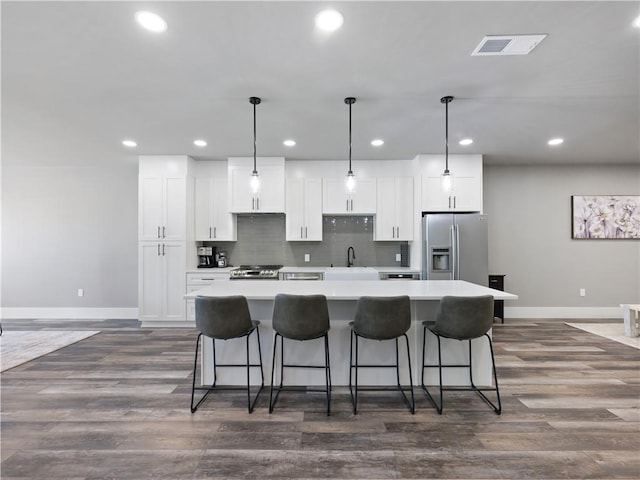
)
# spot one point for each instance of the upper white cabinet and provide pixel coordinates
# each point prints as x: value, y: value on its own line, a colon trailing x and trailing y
x: 394, y: 214
x: 304, y: 209
x: 270, y: 197
x: 162, y: 198
x: 466, y: 194
x: 337, y: 200
x: 212, y: 218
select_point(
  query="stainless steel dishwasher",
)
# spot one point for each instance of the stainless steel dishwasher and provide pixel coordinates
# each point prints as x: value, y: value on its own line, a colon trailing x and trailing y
x: 399, y: 276
x: 289, y: 276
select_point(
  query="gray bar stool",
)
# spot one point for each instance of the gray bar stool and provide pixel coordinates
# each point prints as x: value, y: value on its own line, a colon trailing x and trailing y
x: 380, y: 318
x: 461, y: 318
x: 224, y: 318
x: 300, y: 317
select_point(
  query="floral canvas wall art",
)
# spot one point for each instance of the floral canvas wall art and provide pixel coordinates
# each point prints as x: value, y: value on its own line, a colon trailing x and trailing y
x: 605, y: 216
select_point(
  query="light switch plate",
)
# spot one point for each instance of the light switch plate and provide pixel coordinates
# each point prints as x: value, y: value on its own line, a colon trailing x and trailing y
x: 398, y: 257
x: 307, y: 257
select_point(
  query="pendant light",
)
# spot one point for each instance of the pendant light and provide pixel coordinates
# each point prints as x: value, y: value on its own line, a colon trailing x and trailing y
x: 351, y: 179
x: 447, y: 176
x: 255, y: 179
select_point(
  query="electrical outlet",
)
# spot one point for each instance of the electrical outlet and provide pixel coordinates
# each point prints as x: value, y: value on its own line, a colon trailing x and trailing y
x: 307, y: 257
x: 398, y: 257
x: 583, y: 292
x: 81, y: 292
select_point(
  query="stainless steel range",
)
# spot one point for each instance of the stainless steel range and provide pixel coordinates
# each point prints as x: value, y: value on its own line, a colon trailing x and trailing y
x: 255, y: 272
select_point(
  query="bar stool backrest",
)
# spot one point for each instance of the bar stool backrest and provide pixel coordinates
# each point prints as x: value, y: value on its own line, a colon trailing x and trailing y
x: 223, y: 317
x: 300, y: 317
x: 464, y: 318
x: 382, y: 318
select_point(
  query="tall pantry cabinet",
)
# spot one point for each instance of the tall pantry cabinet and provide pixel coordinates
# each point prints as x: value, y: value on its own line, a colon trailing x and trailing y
x: 165, y: 228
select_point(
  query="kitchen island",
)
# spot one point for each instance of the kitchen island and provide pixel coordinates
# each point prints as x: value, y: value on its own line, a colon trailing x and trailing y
x: 342, y: 297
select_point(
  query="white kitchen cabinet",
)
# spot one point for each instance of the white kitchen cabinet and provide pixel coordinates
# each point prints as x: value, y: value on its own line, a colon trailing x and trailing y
x: 162, y: 198
x: 196, y: 281
x: 394, y: 212
x: 303, y: 209
x: 212, y: 218
x: 165, y: 227
x: 337, y: 200
x: 270, y: 197
x: 161, y: 281
x: 466, y: 194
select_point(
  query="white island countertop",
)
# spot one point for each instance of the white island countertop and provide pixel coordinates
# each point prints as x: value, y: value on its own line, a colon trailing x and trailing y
x: 350, y: 290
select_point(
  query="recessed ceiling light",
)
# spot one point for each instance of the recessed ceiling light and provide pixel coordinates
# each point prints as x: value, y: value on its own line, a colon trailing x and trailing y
x: 555, y: 141
x: 636, y: 22
x: 151, y: 21
x: 377, y: 142
x: 289, y: 143
x: 329, y: 20
x: 200, y: 143
x: 129, y: 143
x: 466, y: 141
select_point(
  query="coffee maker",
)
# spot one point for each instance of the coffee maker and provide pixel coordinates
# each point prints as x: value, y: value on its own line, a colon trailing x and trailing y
x: 206, y: 257
x: 222, y: 259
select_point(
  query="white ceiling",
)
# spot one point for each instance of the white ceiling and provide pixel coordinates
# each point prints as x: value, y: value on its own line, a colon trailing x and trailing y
x: 79, y: 77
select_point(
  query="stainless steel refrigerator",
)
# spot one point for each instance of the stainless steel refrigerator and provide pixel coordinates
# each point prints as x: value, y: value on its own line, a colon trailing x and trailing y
x: 455, y: 247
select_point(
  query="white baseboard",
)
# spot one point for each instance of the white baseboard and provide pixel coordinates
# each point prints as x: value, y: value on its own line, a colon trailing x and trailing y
x: 563, y: 312
x: 68, y: 313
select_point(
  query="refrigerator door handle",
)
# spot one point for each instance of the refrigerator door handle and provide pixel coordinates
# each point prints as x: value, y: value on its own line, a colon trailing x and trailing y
x: 454, y: 255
x: 457, y: 254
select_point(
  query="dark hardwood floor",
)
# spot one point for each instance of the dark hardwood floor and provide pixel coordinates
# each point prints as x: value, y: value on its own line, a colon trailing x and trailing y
x: 116, y: 406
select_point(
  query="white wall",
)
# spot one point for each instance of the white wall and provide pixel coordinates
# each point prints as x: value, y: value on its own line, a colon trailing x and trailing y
x: 66, y: 228
x: 529, y: 210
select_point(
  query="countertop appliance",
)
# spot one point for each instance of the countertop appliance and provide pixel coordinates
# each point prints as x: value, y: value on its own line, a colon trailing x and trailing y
x: 206, y: 256
x: 255, y: 272
x: 455, y: 247
x: 221, y: 259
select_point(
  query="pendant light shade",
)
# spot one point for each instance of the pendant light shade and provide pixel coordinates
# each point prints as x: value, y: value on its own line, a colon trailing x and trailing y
x: 447, y: 176
x: 255, y: 179
x: 351, y: 178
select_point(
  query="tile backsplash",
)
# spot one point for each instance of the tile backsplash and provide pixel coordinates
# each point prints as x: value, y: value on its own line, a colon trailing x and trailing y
x: 261, y: 240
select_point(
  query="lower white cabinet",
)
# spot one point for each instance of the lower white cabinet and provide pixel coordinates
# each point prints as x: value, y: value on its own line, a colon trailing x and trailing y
x: 196, y: 281
x: 161, y: 281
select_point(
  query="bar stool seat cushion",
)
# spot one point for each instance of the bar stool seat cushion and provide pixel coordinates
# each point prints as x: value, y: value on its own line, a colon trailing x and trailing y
x: 224, y: 318
x: 463, y: 318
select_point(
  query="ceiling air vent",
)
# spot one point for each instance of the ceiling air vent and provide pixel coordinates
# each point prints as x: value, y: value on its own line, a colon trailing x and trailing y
x: 507, y: 44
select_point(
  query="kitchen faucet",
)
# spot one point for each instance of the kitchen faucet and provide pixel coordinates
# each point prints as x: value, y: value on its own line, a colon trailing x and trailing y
x: 351, y: 256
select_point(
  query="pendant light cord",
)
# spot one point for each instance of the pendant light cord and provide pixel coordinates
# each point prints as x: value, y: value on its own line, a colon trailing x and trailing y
x: 350, y: 101
x: 254, y: 101
x: 446, y: 100
x: 254, y: 139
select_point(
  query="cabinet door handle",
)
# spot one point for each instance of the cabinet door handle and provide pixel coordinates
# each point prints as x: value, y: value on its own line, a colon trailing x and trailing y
x: 253, y: 203
x: 209, y: 232
x: 393, y: 232
x: 352, y: 204
x: 163, y: 233
x: 454, y: 202
x: 215, y: 232
x: 301, y: 233
x: 258, y: 203
x: 158, y: 232
x: 163, y: 250
x: 397, y: 232
x: 158, y: 248
x: 305, y: 233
